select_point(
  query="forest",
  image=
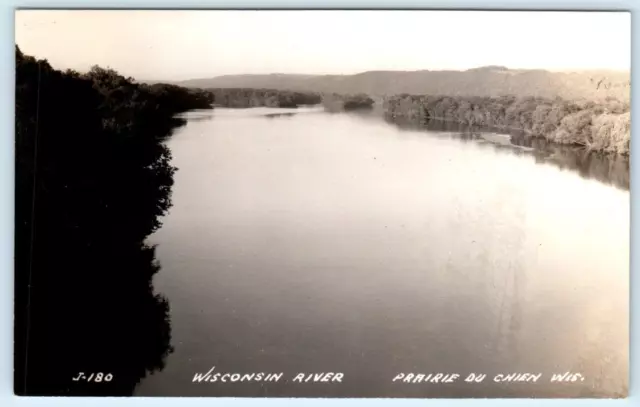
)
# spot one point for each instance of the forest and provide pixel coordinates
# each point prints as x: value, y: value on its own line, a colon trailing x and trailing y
x: 603, y: 125
x: 245, y: 97
x: 93, y: 177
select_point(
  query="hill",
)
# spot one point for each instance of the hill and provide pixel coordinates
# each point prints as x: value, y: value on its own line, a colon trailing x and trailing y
x: 490, y: 81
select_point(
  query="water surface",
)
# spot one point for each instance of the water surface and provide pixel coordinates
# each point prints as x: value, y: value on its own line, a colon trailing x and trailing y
x: 302, y: 241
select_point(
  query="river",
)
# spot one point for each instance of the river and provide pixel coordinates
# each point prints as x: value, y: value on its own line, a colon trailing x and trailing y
x: 317, y: 242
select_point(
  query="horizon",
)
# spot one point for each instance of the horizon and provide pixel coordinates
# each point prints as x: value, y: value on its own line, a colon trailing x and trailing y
x: 180, y: 45
x: 161, y: 80
x: 567, y: 71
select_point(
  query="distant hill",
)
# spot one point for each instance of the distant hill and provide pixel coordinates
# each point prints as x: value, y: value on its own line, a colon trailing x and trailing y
x: 483, y: 81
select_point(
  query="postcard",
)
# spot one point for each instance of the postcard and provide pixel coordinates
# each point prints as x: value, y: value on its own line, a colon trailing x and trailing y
x: 322, y: 203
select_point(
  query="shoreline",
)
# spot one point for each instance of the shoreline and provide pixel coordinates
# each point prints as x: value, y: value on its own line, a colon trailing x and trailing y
x: 599, y: 127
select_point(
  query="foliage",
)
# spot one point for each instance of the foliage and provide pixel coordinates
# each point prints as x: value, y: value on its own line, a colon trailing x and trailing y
x: 244, y: 97
x: 602, y: 126
x: 93, y: 178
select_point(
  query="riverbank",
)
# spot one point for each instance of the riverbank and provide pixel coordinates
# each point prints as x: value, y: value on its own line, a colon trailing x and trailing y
x: 611, y: 169
x: 603, y: 126
x: 93, y: 180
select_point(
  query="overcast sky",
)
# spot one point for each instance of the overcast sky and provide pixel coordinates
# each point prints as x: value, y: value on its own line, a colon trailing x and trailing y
x: 175, y: 45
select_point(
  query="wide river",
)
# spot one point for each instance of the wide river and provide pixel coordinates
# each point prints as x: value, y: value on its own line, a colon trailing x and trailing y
x: 313, y: 242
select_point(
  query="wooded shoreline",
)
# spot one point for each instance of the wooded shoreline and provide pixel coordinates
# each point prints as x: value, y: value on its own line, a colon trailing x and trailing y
x: 603, y: 126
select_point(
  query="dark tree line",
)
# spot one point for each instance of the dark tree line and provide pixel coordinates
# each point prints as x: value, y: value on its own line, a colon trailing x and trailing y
x: 597, y: 125
x: 93, y: 178
x: 178, y: 99
x: 245, y: 97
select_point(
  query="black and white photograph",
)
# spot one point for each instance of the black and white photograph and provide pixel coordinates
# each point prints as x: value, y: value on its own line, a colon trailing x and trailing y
x: 322, y: 203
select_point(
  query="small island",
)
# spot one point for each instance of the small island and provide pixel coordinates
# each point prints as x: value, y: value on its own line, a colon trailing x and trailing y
x: 336, y: 102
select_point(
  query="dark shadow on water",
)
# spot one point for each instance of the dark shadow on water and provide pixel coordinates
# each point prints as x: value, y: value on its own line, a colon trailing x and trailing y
x: 87, y: 196
x: 199, y: 119
x: 286, y: 115
x: 606, y: 168
x: 195, y: 116
x: 279, y: 115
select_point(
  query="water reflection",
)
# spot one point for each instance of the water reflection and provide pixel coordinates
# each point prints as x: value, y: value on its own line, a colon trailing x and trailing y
x: 278, y: 115
x: 201, y: 118
x: 609, y: 169
x: 198, y: 115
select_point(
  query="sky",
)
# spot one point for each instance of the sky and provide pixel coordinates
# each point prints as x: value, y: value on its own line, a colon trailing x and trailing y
x: 180, y: 44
